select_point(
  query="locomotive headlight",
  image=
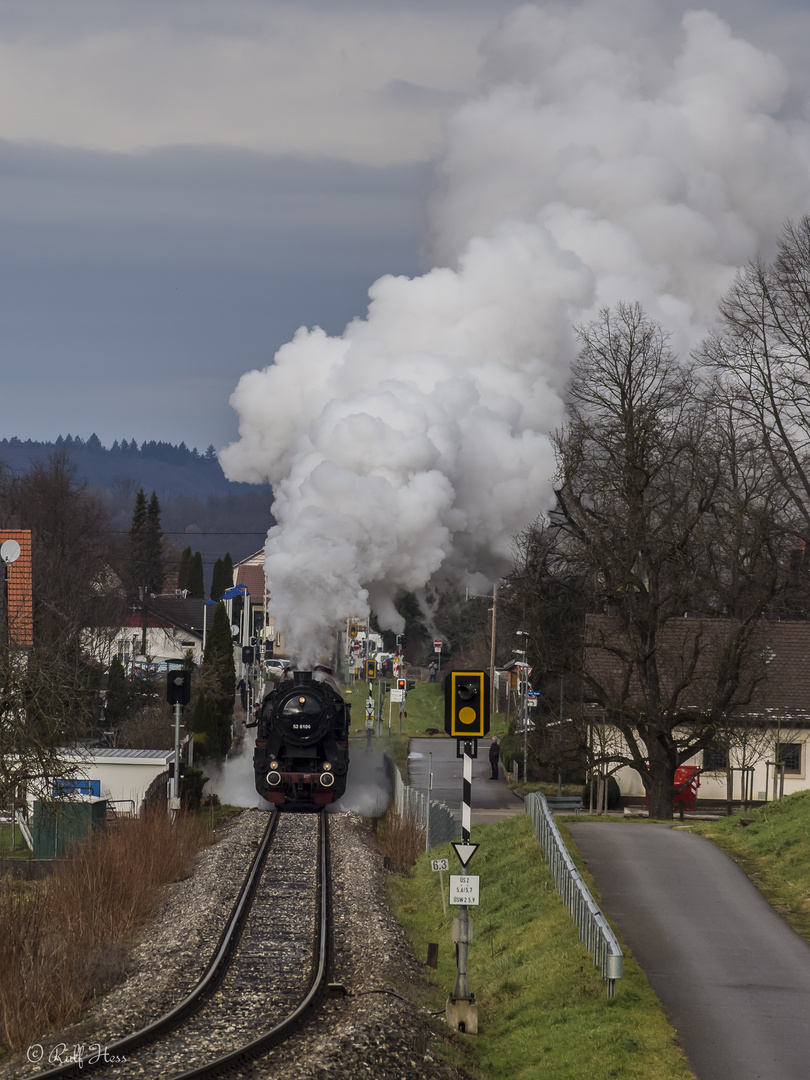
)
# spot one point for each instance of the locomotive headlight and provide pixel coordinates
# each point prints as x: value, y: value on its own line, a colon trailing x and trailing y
x: 327, y: 779
x: 273, y: 779
x: 327, y: 766
x: 273, y: 764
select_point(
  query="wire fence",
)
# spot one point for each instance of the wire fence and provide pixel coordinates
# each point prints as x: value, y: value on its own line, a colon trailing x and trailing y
x: 592, y: 925
x: 434, y: 817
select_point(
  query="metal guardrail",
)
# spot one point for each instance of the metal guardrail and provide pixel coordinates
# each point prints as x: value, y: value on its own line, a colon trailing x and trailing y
x: 592, y: 925
x: 434, y: 817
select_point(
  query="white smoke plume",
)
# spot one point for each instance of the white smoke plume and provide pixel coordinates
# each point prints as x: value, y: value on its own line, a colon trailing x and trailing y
x: 607, y: 157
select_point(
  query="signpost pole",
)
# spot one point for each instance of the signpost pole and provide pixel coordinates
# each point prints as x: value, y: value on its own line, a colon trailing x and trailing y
x: 462, y: 989
x: 466, y: 717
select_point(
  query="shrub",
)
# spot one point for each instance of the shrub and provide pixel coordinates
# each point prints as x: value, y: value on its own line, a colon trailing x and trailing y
x: 400, y: 840
x: 63, y: 938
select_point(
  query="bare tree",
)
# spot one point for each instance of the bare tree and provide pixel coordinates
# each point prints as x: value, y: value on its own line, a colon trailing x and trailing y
x: 662, y: 510
x: 49, y: 693
x: 762, y: 349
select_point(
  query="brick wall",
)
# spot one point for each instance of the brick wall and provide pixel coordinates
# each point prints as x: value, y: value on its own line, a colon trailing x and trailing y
x: 19, y: 589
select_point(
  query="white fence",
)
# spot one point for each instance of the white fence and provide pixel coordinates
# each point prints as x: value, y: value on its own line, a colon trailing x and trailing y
x: 593, y: 926
x: 434, y: 817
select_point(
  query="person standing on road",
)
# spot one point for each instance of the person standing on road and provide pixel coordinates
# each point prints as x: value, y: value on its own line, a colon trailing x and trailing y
x: 241, y: 686
x: 494, y: 757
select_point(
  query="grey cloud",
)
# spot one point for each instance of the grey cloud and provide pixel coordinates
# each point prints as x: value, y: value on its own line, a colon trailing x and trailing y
x: 118, y: 272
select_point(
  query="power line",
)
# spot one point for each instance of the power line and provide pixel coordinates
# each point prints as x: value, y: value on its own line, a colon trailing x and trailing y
x: 170, y: 532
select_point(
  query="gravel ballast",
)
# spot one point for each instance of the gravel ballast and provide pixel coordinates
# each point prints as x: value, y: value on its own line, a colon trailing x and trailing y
x: 377, y: 1032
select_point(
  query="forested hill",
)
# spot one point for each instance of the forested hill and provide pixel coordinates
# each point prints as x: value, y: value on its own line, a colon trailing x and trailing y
x: 170, y: 470
x: 199, y: 506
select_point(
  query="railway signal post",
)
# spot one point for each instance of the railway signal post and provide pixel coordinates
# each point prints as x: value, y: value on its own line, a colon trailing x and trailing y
x: 466, y: 718
x: 178, y: 693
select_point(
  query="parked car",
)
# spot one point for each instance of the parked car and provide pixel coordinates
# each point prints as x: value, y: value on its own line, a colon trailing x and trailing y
x: 277, y: 665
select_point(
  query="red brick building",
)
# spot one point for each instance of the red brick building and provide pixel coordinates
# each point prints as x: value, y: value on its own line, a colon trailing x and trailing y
x: 18, y: 606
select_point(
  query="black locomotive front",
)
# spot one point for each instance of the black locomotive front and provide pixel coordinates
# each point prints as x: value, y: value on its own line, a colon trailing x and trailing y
x: 302, y: 744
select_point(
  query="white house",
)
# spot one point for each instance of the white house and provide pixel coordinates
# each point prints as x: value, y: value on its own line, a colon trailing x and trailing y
x: 163, y: 632
x: 762, y: 751
x: 121, y: 776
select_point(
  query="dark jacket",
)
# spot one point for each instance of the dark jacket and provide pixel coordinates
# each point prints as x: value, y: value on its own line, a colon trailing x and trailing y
x: 494, y: 752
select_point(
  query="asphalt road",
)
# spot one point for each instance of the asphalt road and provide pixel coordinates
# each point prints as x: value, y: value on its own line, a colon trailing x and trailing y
x: 491, y: 799
x: 731, y: 974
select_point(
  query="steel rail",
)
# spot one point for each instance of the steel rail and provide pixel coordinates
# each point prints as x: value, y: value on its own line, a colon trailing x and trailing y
x: 208, y: 983
x: 320, y: 968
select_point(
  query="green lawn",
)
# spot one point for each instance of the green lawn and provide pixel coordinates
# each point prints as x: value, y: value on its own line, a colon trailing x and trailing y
x: 543, y: 1007
x: 20, y: 850
x: 774, y: 850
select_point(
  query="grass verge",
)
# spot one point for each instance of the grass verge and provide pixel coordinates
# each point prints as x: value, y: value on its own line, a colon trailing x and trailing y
x: 543, y: 1007
x: 773, y: 849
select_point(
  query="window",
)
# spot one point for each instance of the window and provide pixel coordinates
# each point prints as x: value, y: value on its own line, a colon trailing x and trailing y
x: 789, y: 754
x: 715, y: 758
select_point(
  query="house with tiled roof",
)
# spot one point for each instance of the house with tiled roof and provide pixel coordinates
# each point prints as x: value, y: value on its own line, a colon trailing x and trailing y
x: 159, y: 633
x: 250, y: 573
x: 765, y: 740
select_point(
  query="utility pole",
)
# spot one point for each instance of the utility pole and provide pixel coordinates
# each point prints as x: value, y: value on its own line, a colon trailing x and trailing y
x: 493, y: 703
x: 494, y: 598
x: 523, y: 708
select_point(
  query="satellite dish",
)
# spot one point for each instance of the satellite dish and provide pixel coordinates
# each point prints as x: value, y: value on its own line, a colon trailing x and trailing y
x: 9, y: 551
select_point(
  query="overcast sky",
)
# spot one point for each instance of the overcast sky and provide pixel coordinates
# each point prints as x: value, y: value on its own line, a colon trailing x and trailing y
x: 183, y: 183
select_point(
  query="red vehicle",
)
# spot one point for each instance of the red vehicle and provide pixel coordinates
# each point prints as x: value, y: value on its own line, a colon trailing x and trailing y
x: 686, y: 784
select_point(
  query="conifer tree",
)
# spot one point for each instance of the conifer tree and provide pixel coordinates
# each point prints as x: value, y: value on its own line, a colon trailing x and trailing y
x: 195, y: 582
x: 222, y: 579
x: 218, y: 585
x: 138, y: 513
x: 146, y: 544
x: 183, y: 568
x: 117, y: 699
x: 213, y: 713
x: 154, y: 546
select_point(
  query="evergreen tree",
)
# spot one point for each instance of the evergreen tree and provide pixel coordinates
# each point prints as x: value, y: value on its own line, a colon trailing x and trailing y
x: 195, y: 581
x: 213, y: 714
x: 183, y: 568
x: 146, y: 544
x: 220, y: 579
x: 154, y: 543
x: 227, y: 563
x: 117, y: 700
x: 138, y: 513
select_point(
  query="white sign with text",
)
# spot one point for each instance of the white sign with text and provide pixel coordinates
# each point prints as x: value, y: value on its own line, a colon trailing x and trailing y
x: 464, y: 889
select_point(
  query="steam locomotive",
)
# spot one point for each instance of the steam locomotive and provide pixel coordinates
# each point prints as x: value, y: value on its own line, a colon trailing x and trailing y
x: 302, y: 743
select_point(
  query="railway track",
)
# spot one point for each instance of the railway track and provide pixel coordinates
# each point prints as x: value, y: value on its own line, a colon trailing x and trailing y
x: 269, y: 969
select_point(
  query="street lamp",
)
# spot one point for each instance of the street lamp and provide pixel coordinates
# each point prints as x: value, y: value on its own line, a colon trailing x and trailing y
x: 523, y: 714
